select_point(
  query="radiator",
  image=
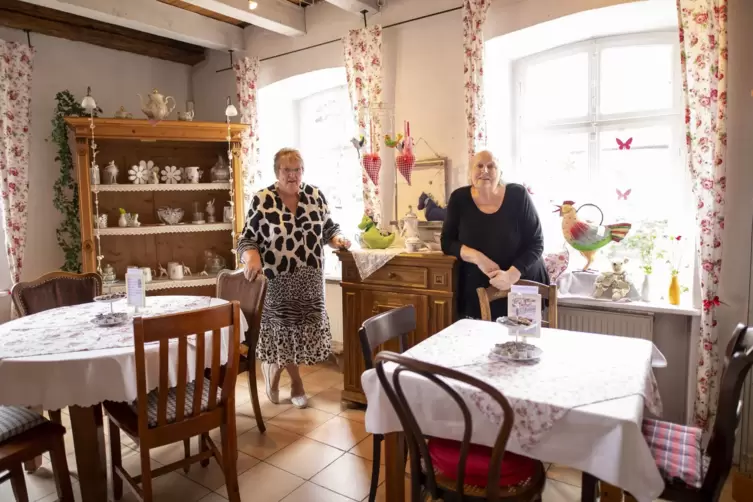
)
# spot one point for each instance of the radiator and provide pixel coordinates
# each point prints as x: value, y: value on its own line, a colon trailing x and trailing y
x: 604, y: 322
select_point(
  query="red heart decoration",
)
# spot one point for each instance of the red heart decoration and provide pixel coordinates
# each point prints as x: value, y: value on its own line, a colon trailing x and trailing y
x: 405, y: 162
x: 372, y: 163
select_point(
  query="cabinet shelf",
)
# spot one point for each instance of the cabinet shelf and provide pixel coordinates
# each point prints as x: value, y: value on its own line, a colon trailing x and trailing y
x: 186, y: 228
x: 161, y: 187
x: 160, y: 284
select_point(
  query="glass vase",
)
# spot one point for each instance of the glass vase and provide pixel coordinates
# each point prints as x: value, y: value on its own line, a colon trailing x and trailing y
x: 674, y: 291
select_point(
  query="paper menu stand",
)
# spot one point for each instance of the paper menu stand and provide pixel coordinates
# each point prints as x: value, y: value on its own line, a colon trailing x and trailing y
x: 135, y: 288
x: 524, y: 302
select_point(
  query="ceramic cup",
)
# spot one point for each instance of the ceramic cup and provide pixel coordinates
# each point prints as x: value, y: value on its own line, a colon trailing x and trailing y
x: 175, y: 270
x: 147, y: 273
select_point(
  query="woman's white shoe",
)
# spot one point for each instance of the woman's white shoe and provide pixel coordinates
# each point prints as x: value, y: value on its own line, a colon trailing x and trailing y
x: 300, y: 401
x: 272, y: 395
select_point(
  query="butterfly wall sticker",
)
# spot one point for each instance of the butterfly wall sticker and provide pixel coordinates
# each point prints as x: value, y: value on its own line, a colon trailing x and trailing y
x: 624, y: 145
x: 623, y: 195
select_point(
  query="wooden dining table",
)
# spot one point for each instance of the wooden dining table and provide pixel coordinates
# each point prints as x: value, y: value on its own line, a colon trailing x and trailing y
x: 580, y: 405
x: 58, y: 359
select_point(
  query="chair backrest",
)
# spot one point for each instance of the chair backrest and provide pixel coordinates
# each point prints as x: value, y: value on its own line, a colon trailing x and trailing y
x: 167, y: 329
x: 382, y: 328
x: 729, y: 411
x: 233, y: 286
x: 56, y: 289
x: 417, y: 441
x: 547, y: 292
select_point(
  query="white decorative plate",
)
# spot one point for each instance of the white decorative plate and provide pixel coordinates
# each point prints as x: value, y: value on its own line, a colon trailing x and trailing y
x: 109, y: 298
x: 109, y: 319
x: 516, y: 352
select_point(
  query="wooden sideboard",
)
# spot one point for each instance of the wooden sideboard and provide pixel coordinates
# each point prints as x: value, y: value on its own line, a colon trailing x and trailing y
x: 426, y: 281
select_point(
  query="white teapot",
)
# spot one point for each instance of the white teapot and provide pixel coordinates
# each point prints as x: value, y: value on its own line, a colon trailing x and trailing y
x: 155, y: 107
x: 410, y: 232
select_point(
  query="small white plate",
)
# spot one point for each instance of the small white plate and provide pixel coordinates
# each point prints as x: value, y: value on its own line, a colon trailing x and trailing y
x: 516, y: 352
x: 109, y: 298
x: 110, y: 319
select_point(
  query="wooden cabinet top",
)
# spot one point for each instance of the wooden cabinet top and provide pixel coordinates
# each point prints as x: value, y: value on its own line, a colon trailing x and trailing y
x: 166, y: 130
x: 436, y: 258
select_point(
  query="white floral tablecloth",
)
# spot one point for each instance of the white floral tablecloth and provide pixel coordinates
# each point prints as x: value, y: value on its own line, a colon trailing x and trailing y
x: 58, y: 358
x: 369, y: 261
x: 581, y: 405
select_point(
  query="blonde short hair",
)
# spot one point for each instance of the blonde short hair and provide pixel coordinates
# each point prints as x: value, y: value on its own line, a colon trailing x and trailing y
x: 289, y: 154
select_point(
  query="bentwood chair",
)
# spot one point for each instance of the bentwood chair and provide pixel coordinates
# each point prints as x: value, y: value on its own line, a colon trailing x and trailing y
x: 692, y: 474
x: 233, y: 286
x: 443, y: 469
x: 191, y: 408
x: 375, y: 332
x: 548, y: 294
x: 25, y: 435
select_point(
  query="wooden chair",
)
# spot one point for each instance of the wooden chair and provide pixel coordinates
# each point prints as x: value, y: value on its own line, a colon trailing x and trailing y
x: 233, y: 285
x: 24, y: 435
x: 458, y: 470
x: 56, y: 289
x: 192, y: 408
x: 548, y: 293
x: 374, y: 332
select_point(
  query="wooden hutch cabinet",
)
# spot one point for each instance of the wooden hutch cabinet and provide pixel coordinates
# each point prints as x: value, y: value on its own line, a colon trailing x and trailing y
x: 426, y: 281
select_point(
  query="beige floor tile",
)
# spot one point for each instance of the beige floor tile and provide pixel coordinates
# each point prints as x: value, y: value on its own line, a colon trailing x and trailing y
x: 301, y: 421
x: 38, y: 485
x: 307, y: 370
x: 212, y: 477
x: 304, y: 458
x: 242, y: 394
x: 53, y: 497
x: 340, y: 433
x: 171, y: 453
x: 554, y: 491
x: 213, y: 497
x: 265, y: 483
x: 365, y: 449
x: 171, y: 487
x: 328, y: 400
x: 564, y: 474
x: 349, y: 475
x: 381, y: 494
x: 268, y: 408
x: 309, y: 492
x: 322, y: 380
x: 356, y: 414
x: 261, y: 445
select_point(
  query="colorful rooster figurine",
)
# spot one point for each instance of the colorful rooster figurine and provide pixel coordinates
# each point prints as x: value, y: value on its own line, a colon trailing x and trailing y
x: 586, y: 237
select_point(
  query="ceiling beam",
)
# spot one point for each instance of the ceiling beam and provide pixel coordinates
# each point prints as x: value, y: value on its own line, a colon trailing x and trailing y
x: 156, y: 18
x: 26, y: 16
x: 357, y: 6
x: 279, y: 16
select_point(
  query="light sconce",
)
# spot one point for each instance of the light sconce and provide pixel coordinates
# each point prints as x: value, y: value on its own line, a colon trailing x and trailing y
x: 230, y: 109
x: 88, y: 102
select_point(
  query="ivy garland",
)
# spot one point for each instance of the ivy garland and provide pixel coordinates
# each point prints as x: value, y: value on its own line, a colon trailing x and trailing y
x: 65, y: 189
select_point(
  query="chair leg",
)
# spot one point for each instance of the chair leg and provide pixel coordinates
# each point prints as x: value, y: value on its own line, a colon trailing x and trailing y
x: 588, y: 488
x: 146, y: 474
x: 60, y: 469
x: 375, y: 466
x: 187, y: 452
x: 203, y: 448
x: 116, y: 461
x: 56, y: 416
x: 230, y: 458
x: 255, y: 393
x: 18, y: 483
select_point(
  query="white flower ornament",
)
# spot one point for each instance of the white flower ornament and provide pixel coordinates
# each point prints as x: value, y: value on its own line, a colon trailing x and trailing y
x: 141, y: 173
x: 171, y: 175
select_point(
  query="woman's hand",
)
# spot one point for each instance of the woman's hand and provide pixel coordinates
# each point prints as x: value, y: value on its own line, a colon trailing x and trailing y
x: 251, y: 264
x: 485, y: 264
x: 501, y: 280
x: 339, y: 242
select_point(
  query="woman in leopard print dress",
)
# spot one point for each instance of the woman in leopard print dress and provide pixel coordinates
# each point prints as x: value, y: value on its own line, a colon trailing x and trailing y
x: 288, y: 228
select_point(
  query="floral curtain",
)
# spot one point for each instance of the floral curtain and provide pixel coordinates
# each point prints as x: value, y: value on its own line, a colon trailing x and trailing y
x: 246, y: 79
x: 362, y: 51
x: 474, y: 17
x: 703, y: 44
x: 15, y: 134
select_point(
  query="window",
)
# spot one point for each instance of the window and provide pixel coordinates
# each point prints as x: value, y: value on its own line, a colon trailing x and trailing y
x: 600, y: 122
x: 312, y: 112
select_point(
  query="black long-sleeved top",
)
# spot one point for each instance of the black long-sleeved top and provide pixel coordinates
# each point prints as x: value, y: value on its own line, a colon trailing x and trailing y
x: 510, y: 237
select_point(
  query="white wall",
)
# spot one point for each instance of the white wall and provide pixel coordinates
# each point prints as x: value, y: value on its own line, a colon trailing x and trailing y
x: 115, y: 77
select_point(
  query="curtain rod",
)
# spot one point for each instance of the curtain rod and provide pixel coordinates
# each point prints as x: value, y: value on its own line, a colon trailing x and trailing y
x: 384, y: 27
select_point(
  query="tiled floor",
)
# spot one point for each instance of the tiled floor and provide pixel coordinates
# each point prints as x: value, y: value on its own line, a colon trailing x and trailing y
x: 321, y: 454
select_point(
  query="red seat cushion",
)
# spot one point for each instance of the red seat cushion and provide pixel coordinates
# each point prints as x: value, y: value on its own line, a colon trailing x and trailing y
x: 677, y: 451
x: 445, y: 455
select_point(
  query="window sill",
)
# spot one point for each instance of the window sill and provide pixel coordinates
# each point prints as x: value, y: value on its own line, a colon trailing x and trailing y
x: 639, y: 307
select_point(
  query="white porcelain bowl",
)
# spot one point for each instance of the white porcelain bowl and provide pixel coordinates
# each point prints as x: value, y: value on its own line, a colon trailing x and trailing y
x: 170, y: 215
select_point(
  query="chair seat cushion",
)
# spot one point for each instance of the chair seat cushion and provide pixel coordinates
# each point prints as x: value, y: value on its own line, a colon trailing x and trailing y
x: 677, y: 451
x: 153, y: 402
x: 14, y: 420
x: 445, y: 455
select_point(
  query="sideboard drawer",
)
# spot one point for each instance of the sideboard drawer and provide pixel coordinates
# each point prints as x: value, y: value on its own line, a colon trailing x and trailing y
x: 391, y: 275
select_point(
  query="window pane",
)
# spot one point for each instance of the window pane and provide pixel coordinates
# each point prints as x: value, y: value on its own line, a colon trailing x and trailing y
x: 556, y: 89
x: 636, y: 78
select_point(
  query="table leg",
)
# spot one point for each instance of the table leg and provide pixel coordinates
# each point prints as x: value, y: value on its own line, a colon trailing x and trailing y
x: 89, y: 444
x: 394, y: 460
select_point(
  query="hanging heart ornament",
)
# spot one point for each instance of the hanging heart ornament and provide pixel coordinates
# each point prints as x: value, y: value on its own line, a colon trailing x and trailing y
x: 372, y: 163
x: 405, y: 162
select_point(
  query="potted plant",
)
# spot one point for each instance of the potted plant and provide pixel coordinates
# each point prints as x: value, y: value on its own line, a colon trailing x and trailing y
x: 644, y: 241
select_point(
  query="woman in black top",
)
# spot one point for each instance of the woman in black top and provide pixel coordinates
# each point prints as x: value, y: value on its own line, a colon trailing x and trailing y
x: 494, y: 230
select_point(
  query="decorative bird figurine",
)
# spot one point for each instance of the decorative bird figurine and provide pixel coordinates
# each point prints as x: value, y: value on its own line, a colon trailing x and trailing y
x: 392, y: 143
x: 432, y: 210
x: 358, y: 144
x: 371, y: 235
x: 586, y: 237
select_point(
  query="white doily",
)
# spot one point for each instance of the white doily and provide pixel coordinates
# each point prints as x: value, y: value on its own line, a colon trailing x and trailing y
x: 369, y: 261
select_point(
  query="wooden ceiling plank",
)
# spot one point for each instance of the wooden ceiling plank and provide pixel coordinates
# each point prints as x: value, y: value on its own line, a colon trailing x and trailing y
x: 204, y: 12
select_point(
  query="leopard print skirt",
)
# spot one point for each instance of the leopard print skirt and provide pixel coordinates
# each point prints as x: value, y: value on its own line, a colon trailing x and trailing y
x: 294, y: 325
